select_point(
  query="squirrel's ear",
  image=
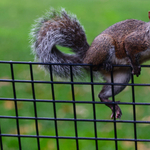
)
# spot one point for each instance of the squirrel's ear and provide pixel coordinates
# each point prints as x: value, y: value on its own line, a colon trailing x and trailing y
x: 149, y: 15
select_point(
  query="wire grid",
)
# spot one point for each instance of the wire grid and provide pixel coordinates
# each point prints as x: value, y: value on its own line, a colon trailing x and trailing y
x: 75, y: 119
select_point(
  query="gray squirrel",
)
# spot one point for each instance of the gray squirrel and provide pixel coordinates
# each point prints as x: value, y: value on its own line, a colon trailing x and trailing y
x: 126, y: 42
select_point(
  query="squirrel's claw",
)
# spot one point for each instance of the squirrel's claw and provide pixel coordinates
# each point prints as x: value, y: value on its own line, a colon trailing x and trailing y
x: 136, y: 70
x: 107, y: 66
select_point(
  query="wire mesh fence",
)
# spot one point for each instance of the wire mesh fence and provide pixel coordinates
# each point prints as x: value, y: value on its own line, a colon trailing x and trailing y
x: 38, y: 112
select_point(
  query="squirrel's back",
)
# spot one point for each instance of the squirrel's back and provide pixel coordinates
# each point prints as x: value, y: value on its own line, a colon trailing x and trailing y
x: 124, y: 28
x: 109, y: 45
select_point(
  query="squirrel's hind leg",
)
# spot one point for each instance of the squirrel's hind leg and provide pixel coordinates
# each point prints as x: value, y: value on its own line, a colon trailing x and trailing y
x: 121, y: 76
x: 104, y: 98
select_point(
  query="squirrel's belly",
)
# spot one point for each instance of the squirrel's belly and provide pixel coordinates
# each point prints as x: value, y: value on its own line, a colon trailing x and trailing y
x: 117, y: 60
x: 121, y: 61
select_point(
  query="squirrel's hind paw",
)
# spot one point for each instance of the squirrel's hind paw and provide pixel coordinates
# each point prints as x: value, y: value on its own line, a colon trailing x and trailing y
x: 117, y: 112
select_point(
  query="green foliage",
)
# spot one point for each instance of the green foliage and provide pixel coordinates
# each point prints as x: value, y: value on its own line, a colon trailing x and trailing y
x: 95, y: 15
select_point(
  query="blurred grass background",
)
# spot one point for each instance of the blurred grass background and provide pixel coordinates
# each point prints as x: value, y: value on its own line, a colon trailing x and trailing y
x: 95, y: 15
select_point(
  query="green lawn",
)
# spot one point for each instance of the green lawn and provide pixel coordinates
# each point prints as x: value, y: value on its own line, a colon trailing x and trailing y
x: 95, y: 15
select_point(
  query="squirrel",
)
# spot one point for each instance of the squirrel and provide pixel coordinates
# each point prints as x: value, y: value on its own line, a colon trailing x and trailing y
x: 126, y: 42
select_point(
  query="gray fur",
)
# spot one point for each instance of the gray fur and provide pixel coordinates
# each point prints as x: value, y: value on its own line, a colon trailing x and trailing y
x: 121, y: 76
x: 59, y: 28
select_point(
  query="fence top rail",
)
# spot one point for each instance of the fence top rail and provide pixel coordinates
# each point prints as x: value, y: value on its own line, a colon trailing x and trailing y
x: 71, y: 64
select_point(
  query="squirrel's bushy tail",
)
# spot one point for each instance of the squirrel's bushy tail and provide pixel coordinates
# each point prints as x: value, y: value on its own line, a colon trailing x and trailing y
x: 59, y: 28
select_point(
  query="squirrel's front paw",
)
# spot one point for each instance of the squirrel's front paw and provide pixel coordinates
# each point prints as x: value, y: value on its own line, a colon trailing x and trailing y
x: 107, y: 66
x: 136, y: 70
